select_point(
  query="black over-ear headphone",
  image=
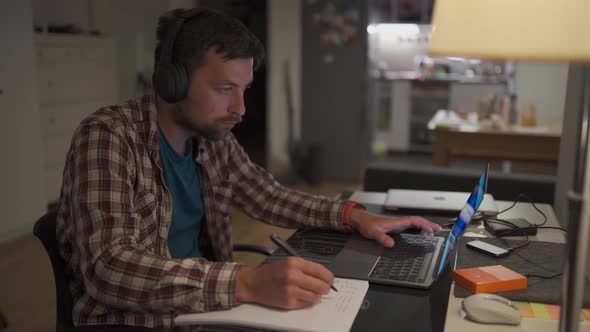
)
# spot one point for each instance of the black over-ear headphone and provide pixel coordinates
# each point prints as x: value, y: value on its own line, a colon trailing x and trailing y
x: 171, y: 80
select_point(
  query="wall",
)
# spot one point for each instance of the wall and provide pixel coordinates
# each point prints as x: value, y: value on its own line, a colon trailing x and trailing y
x: 134, y: 31
x: 284, y: 44
x: 544, y: 85
x: 63, y: 12
x: 131, y: 24
x: 22, y: 189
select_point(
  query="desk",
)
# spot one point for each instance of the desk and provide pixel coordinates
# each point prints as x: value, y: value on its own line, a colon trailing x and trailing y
x: 518, y: 144
x: 390, y: 308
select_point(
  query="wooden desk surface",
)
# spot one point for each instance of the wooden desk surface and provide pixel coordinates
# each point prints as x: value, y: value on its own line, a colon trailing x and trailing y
x: 511, y: 143
x: 454, y: 321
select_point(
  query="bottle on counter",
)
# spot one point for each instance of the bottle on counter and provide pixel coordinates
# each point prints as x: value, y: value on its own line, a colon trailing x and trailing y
x: 504, y: 108
x: 529, y: 117
x: 512, y: 111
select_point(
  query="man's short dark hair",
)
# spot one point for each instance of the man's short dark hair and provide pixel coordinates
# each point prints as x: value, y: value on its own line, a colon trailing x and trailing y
x: 207, y: 29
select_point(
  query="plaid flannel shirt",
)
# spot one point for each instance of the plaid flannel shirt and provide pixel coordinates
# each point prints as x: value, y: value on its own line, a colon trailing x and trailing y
x: 115, y: 213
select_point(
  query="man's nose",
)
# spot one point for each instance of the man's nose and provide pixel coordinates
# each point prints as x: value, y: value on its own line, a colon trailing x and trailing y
x: 238, y: 105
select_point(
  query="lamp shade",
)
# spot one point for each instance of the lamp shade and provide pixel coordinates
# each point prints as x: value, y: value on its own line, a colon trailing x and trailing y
x: 545, y: 30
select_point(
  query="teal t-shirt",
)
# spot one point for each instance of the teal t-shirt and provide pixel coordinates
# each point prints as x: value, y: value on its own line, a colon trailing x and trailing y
x: 182, y: 181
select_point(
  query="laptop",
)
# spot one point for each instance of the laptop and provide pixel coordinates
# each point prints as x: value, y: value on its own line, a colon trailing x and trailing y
x: 416, y: 260
x: 437, y: 202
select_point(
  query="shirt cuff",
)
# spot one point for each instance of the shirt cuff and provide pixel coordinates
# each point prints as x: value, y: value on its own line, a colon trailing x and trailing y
x: 218, y: 287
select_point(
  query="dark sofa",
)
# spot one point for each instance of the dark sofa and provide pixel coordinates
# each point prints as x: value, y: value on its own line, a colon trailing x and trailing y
x: 380, y: 176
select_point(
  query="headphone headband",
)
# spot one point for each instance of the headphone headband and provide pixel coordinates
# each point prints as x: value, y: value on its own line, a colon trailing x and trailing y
x: 171, y: 80
x: 167, y: 48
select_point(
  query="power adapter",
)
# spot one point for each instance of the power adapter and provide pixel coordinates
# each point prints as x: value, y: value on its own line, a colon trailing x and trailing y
x: 499, y: 228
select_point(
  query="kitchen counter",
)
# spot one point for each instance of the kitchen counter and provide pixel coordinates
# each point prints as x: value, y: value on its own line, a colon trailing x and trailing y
x: 413, y: 76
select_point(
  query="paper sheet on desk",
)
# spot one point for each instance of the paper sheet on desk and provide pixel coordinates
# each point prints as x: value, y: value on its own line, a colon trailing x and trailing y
x: 336, y: 312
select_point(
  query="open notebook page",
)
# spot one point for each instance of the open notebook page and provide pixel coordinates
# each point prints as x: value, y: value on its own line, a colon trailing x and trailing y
x: 336, y: 312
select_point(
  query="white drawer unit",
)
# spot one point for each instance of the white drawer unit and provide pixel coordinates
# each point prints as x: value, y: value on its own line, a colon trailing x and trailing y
x: 76, y: 76
x: 59, y: 120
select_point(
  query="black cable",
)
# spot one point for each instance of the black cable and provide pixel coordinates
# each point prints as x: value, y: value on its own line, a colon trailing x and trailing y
x: 501, y: 221
x: 503, y: 233
x: 510, y: 231
x: 530, y: 275
x: 480, y: 216
x: 520, y: 246
x: 530, y: 201
x: 516, y: 228
x: 477, y: 216
x: 506, y: 222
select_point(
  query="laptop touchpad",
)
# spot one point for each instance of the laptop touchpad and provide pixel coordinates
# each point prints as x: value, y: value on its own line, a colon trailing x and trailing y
x: 357, y: 258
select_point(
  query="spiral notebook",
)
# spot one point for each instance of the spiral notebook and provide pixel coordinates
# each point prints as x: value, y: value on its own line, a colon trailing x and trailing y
x: 336, y: 312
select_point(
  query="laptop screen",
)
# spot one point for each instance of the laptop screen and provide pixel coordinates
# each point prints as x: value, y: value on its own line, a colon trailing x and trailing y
x: 464, y: 218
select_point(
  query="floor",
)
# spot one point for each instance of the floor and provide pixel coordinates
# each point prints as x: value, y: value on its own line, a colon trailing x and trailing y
x: 27, y: 293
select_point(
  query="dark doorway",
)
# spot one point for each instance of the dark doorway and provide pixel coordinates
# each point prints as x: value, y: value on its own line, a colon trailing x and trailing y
x: 251, y: 133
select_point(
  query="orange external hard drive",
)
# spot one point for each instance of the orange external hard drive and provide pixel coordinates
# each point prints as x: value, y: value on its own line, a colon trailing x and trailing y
x: 489, y: 279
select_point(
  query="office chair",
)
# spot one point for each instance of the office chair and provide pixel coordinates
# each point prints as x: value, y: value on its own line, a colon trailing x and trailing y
x: 3, y: 322
x: 44, y: 229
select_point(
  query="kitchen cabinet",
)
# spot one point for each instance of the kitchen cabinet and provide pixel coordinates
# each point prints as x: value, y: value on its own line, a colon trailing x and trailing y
x: 426, y: 97
x: 464, y: 96
x: 393, y: 114
x: 401, y: 11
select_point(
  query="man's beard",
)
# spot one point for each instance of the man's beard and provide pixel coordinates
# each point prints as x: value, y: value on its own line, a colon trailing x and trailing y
x: 209, y: 132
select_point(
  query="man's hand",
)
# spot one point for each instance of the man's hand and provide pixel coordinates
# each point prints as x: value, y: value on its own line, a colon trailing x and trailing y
x: 376, y: 227
x: 290, y: 283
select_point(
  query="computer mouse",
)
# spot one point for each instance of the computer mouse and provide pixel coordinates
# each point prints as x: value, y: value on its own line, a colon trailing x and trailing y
x: 491, y: 309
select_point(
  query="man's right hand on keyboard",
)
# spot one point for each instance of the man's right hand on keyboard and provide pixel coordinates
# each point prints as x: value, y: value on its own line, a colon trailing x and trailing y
x: 376, y: 227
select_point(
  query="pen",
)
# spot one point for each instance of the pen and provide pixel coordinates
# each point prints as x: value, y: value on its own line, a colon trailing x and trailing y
x: 285, y: 246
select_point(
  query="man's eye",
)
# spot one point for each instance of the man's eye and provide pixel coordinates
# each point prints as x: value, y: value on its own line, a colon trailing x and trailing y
x: 226, y: 90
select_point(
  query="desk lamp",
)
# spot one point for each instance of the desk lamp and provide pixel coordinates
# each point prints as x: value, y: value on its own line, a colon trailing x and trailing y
x: 537, y: 30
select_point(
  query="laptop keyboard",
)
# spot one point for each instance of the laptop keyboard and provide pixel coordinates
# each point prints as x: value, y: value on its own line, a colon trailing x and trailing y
x: 409, y: 259
x: 318, y: 246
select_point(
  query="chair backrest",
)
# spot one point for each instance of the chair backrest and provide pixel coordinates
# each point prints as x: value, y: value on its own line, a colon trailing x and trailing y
x: 3, y: 323
x: 45, y: 230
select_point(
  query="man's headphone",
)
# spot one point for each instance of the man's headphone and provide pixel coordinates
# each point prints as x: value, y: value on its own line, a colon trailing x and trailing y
x: 171, y: 80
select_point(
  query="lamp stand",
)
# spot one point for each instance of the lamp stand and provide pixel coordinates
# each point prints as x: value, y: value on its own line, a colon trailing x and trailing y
x: 579, y: 225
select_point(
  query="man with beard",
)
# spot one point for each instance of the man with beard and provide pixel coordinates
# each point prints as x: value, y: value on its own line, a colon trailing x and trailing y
x: 144, y: 217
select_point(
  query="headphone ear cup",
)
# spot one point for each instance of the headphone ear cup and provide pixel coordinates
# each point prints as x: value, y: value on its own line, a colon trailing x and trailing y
x: 182, y: 81
x: 171, y: 82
